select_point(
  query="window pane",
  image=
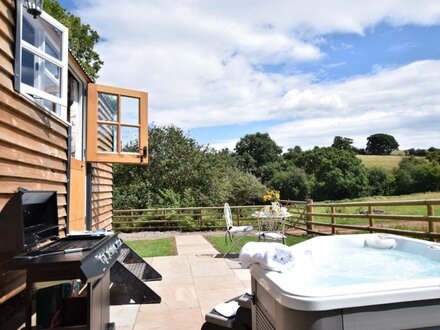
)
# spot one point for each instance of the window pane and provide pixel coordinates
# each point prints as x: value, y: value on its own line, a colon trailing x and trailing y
x: 28, y: 31
x: 107, y: 107
x: 130, y: 139
x: 41, y: 74
x: 129, y: 110
x: 54, y: 107
x: 107, y: 140
x: 27, y: 68
x: 42, y: 35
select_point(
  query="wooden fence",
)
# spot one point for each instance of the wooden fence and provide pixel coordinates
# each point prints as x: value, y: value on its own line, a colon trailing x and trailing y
x: 410, y: 217
x: 193, y: 218
x: 414, y: 218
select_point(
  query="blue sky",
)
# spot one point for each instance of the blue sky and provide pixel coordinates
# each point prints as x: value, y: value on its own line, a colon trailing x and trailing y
x: 303, y: 72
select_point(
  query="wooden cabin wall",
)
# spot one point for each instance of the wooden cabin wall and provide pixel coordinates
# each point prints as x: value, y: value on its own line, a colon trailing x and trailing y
x: 33, y: 145
x: 102, y: 196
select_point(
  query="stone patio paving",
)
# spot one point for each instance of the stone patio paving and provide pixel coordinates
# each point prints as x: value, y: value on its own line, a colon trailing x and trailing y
x: 193, y: 282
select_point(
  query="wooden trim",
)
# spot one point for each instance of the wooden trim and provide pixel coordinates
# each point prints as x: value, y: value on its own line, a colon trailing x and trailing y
x: 77, y: 68
x: 93, y: 138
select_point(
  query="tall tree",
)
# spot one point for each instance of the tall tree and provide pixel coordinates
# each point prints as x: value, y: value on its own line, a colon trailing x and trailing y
x: 342, y: 143
x: 381, y: 144
x: 82, y: 38
x: 256, y: 150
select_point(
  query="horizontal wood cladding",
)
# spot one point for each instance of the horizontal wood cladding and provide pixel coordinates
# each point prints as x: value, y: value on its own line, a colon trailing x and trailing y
x: 19, y: 104
x: 33, y: 144
x: 7, y: 9
x: 6, y: 29
x: 9, y: 186
x: 103, y: 221
x: 102, y: 197
x: 12, y: 152
x: 12, y: 119
x: 102, y: 202
x: 6, y: 47
x: 7, y: 65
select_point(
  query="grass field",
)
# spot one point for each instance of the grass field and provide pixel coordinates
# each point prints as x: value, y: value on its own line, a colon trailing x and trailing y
x: 398, y: 210
x: 219, y: 242
x: 154, y: 247
x: 387, y: 162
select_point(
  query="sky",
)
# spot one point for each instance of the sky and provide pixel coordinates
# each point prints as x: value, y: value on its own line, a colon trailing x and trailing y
x: 302, y: 71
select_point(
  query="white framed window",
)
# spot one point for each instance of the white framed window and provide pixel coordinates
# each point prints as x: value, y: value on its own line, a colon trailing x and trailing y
x: 41, y: 60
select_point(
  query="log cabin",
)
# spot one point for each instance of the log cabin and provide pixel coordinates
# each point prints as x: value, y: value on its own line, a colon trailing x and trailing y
x: 59, y: 130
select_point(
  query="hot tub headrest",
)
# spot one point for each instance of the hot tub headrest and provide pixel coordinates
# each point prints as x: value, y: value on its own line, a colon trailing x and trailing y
x: 380, y: 242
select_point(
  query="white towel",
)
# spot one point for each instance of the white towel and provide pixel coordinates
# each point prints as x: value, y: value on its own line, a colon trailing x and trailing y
x: 272, y: 256
x: 227, y: 309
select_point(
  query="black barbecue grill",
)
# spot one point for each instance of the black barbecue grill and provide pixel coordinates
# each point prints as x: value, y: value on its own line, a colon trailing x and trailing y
x: 32, y: 243
x: 56, y: 265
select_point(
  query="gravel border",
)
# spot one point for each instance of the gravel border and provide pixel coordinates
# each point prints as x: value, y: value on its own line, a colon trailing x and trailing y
x: 164, y: 234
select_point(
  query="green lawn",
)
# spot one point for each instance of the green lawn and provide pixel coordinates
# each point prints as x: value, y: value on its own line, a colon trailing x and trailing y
x: 219, y: 242
x: 154, y: 247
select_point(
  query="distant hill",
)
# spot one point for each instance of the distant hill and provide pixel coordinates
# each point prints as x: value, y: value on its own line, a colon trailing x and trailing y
x: 387, y: 162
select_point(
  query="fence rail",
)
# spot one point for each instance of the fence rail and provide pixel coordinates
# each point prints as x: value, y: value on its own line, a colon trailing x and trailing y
x: 412, y: 217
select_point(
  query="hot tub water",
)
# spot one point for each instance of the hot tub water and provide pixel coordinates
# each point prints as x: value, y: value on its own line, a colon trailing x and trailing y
x: 365, y: 265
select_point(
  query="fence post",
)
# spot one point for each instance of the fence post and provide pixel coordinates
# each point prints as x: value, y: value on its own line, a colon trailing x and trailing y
x: 333, y: 211
x: 370, y: 218
x: 201, y: 219
x: 430, y: 211
x: 310, y: 217
x: 238, y: 216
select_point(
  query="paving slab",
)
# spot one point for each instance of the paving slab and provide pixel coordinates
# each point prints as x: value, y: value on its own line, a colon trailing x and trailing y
x: 193, y: 282
x: 193, y: 245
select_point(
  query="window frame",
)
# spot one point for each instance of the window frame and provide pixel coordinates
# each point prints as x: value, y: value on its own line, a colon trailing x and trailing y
x: 35, y: 93
x: 119, y: 157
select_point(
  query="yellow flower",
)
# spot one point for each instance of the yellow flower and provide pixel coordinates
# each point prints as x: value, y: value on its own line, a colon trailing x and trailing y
x: 271, y: 196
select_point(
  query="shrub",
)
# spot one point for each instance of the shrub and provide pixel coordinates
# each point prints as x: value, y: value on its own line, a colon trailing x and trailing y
x: 417, y: 175
x: 292, y: 184
x: 381, y: 181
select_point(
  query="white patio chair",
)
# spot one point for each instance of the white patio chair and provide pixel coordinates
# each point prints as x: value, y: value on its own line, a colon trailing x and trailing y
x: 233, y: 233
x: 271, y: 224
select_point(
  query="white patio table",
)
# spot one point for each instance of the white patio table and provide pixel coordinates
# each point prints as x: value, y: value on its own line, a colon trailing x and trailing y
x: 272, y: 222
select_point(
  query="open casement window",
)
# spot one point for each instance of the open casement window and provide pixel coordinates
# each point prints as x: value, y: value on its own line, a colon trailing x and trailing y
x: 41, y: 53
x: 117, y: 129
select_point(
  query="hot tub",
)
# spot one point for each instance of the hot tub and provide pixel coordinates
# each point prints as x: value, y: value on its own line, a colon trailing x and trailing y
x: 371, y: 281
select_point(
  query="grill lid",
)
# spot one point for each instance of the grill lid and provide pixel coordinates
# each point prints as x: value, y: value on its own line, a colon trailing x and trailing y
x: 28, y: 218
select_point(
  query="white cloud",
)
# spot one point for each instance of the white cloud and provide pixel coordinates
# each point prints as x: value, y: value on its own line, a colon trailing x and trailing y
x: 201, y: 63
x: 404, y: 102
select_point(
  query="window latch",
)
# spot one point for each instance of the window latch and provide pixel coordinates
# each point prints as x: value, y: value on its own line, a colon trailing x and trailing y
x: 144, y: 153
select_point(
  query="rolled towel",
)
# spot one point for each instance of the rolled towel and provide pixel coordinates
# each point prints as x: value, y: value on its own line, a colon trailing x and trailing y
x: 272, y: 256
x: 380, y: 242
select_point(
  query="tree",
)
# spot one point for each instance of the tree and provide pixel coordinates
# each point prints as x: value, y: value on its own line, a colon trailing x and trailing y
x: 342, y: 143
x: 256, y: 150
x: 182, y: 173
x: 246, y: 188
x: 433, y: 156
x: 292, y: 184
x: 381, y: 181
x: 292, y: 153
x: 417, y: 175
x: 82, y: 38
x: 334, y: 174
x: 381, y: 144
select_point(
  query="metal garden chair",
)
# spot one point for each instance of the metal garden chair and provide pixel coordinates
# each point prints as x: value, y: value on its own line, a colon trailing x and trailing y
x: 233, y: 233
